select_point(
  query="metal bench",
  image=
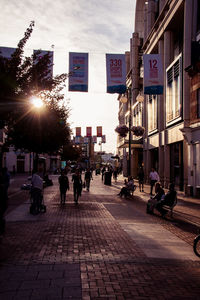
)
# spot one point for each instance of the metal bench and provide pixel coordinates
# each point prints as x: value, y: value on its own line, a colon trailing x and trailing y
x: 171, y: 208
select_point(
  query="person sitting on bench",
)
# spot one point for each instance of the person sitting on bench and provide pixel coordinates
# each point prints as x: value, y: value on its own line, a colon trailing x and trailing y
x: 168, y: 200
x: 128, y: 188
x: 152, y: 202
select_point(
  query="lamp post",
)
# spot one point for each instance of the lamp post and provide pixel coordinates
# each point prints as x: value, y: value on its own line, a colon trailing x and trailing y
x: 125, y: 99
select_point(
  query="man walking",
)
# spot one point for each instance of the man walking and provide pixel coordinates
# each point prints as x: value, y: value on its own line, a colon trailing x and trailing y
x: 154, y: 177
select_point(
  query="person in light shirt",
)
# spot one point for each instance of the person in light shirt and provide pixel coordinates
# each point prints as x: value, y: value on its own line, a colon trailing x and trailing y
x: 154, y: 177
x: 37, y: 189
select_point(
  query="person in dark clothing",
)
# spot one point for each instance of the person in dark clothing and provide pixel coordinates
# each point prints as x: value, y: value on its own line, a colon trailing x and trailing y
x: 141, y: 179
x: 64, y: 186
x: 77, y: 185
x: 168, y: 200
x: 152, y: 202
x: 88, y: 177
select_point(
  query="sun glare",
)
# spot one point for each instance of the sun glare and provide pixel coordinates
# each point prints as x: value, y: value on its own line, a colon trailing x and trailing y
x: 37, y: 102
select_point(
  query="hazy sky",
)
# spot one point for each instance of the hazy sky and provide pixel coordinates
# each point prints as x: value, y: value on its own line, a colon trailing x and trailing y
x: 94, y: 26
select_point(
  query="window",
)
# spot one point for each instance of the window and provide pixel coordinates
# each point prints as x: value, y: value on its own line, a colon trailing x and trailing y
x: 152, y: 113
x: 198, y: 103
x: 137, y: 115
x: 173, y: 91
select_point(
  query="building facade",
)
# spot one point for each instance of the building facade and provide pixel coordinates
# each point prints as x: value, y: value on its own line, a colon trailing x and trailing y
x: 172, y: 132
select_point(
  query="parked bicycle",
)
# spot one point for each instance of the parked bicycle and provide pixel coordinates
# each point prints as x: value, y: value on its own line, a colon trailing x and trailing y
x: 196, y: 244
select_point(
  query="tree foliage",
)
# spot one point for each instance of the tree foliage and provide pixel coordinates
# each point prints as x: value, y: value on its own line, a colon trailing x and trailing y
x: 20, y: 78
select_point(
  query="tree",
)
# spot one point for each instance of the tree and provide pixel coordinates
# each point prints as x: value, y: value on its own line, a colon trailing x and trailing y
x: 70, y: 152
x: 22, y: 77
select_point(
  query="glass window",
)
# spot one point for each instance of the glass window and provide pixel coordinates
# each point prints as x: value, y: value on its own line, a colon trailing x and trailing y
x: 173, y: 91
x: 152, y: 113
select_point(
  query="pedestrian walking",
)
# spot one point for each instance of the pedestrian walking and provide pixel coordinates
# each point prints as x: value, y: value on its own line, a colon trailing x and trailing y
x: 115, y: 174
x: 154, y: 177
x: 141, y: 179
x: 64, y: 186
x: 36, y: 191
x: 88, y: 178
x: 77, y: 185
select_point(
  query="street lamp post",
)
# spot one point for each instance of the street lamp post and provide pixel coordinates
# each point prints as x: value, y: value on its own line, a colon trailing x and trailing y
x: 126, y: 99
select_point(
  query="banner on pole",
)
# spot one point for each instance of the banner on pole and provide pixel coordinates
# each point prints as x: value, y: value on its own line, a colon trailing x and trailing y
x: 7, y: 52
x: 116, y: 73
x: 78, y: 131
x: 77, y: 139
x: 99, y: 131
x: 153, y: 74
x: 88, y: 131
x: 94, y: 139
x: 103, y: 139
x: 39, y: 54
x: 85, y: 140
x: 78, y: 70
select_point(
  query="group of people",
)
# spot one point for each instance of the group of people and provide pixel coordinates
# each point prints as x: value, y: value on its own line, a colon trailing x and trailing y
x: 78, y: 184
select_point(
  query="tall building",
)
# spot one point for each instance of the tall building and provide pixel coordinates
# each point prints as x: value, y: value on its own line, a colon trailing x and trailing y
x: 171, y: 140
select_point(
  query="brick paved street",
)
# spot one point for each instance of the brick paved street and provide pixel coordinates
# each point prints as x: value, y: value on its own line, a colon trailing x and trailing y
x: 104, y: 248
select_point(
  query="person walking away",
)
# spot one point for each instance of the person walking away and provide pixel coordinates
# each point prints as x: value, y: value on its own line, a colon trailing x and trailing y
x: 103, y: 170
x: 77, y: 185
x: 141, y: 179
x: 88, y: 177
x: 154, y: 177
x: 3, y: 201
x: 64, y: 186
x: 37, y: 191
x: 115, y: 173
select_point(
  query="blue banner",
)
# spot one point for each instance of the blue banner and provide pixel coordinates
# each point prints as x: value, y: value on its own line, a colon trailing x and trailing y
x: 78, y: 72
x: 116, y: 73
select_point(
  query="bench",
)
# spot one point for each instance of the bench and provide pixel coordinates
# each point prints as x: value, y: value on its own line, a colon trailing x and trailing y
x: 170, y: 208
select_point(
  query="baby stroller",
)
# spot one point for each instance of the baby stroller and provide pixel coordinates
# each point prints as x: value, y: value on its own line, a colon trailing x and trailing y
x: 37, y: 202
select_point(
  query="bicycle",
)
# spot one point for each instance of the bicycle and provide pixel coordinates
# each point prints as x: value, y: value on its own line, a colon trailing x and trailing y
x: 196, y: 244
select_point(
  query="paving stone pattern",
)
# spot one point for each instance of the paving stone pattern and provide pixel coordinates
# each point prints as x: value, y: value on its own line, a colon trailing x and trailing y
x: 82, y: 252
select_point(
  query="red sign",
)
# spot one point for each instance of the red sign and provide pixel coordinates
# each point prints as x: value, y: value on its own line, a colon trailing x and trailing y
x: 88, y: 131
x: 99, y: 131
x: 78, y: 131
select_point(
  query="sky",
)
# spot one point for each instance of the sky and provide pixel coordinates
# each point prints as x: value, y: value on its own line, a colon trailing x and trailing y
x: 96, y: 27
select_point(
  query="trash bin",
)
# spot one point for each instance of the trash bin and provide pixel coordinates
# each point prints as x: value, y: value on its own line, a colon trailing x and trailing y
x: 107, y: 178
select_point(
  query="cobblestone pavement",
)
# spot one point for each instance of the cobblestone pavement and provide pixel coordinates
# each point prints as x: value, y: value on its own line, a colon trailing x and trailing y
x: 104, y: 248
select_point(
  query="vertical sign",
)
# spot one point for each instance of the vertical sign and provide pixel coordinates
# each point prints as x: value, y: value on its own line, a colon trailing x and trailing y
x: 116, y: 73
x: 99, y: 131
x: 153, y: 74
x: 88, y: 131
x: 85, y: 140
x: 77, y: 139
x: 94, y: 139
x: 103, y: 139
x: 78, y: 72
x: 78, y: 131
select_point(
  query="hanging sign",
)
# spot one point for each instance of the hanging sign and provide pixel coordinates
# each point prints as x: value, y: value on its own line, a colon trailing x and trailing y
x: 116, y: 73
x: 99, y: 131
x: 103, y: 139
x: 78, y: 72
x: 78, y: 131
x: 153, y: 74
x: 77, y: 139
x: 85, y: 140
x: 94, y: 139
x: 88, y: 131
